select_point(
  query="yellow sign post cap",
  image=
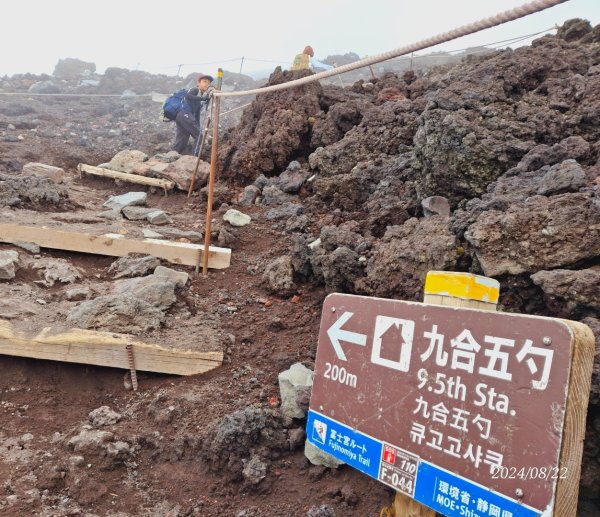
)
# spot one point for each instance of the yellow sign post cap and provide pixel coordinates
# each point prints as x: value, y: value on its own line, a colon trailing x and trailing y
x: 462, y: 285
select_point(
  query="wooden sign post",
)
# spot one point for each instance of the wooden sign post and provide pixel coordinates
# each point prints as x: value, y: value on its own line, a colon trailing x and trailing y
x: 453, y: 290
x: 461, y: 410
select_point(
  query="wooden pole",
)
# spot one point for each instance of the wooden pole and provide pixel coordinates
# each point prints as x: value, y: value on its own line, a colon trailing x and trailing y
x: 454, y: 290
x: 461, y: 290
x: 213, y: 171
x: 571, y: 451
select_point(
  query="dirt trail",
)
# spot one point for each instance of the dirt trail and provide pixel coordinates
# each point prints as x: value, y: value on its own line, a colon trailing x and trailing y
x: 491, y: 166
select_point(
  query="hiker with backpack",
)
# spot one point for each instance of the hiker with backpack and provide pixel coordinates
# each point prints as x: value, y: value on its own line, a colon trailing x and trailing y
x: 191, y: 113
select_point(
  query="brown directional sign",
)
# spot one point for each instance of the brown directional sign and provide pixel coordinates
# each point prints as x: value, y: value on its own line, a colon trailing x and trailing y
x: 461, y: 409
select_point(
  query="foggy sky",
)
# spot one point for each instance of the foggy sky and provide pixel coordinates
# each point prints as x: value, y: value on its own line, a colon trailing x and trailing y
x: 205, y: 35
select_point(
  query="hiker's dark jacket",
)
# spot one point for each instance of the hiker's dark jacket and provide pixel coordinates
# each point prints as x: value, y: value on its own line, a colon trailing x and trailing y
x: 195, y: 103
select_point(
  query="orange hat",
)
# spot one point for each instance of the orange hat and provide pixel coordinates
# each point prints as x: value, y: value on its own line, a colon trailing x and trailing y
x: 309, y: 51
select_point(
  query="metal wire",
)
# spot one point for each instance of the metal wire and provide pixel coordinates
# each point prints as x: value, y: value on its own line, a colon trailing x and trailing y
x: 501, y: 44
x: 505, y: 16
x: 235, y: 109
x: 464, y: 30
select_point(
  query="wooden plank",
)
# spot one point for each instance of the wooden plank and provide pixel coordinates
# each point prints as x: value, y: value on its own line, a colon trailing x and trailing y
x: 580, y: 379
x: 56, y: 174
x: 159, y: 97
x: 131, y: 178
x: 437, y: 299
x: 115, y: 245
x: 104, y: 349
x: 408, y: 507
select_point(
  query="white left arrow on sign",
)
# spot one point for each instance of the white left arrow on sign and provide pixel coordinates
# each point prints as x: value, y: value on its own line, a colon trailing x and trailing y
x: 336, y: 334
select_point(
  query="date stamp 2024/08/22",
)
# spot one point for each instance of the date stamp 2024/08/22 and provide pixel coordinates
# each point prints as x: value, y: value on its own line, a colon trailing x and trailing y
x: 529, y: 473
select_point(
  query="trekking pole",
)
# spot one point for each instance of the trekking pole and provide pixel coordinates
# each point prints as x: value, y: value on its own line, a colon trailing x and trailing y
x: 202, y: 141
x: 211, y: 178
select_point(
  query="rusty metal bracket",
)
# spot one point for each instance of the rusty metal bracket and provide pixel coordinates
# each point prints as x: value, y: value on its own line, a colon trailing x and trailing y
x: 130, y: 360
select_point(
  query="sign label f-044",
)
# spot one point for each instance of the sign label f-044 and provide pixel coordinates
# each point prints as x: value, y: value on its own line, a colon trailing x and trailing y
x: 443, y: 390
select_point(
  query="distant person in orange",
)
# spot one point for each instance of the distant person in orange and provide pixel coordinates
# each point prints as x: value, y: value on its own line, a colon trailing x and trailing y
x: 306, y: 61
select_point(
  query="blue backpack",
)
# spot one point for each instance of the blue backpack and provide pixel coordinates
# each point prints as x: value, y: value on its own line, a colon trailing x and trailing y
x: 173, y: 105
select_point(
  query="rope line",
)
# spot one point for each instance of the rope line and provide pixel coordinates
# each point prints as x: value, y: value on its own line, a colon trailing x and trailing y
x: 505, y: 16
x: 107, y: 95
x: 210, y: 62
x: 281, y: 61
x: 267, y: 60
x: 102, y: 95
x: 235, y: 109
x: 471, y: 53
x: 78, y: 95
x: 504, y: 42
x: 464, y: 30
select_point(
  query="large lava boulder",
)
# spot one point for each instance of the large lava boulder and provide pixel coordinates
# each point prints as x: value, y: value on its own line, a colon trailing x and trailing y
x: 71, y: 69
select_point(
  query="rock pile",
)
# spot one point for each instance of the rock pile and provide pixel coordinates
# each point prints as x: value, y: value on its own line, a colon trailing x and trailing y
x: 509, y: 139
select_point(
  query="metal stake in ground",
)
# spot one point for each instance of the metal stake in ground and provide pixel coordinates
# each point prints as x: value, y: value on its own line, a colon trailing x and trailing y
x: 213, y: 171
